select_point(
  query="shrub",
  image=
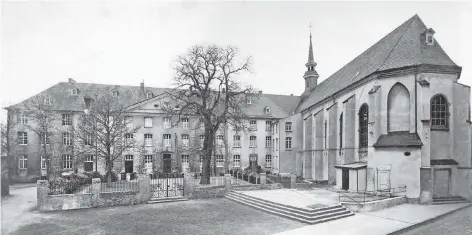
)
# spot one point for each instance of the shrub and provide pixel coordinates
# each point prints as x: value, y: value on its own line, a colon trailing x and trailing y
x: 114, y: 177
x: 93, y: 175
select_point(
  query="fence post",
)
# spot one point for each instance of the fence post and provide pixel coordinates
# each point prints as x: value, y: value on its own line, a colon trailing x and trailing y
x: 95, y: 191
x: 263, y: 179
x: 42, y: 193
x: 144, y: 187
x: 228, y: 181
x: 293, y: 181
x: 188, y: 183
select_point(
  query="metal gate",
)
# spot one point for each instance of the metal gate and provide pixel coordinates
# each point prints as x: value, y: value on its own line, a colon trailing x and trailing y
x: 167, y: 185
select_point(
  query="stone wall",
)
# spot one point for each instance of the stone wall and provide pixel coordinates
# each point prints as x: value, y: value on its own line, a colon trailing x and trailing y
x: 95, y: 198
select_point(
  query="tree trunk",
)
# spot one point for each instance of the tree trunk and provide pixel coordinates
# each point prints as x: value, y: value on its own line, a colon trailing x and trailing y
x: 109, y: 169
x: 207, y: 149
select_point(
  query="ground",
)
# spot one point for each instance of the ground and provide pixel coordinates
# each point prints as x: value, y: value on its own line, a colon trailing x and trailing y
x: 219, y: 216
x: 457, y: 223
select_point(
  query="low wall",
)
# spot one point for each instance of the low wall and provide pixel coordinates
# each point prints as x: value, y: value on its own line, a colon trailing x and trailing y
x: 374, y: 205
x: 207, y: 192
x: 96, y: 198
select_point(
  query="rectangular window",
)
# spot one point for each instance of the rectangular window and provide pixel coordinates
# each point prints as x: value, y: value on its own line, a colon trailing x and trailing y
x: 129, y: 138
x: 66, y: 138
x: 236, y: 160
x: 237, y: 141
x: 22, y: 138
x: 273, y: 144
x: 45, y: 139
x: 288, y: 142
x: 43, y: 162
x: 253, y: 125
x: 147, y: 122
x: 276, y: 128
x: 148, y: 161
x: 23, y: 162
x: 276, y: 144
x: 24, y: 119
x: 66, y: 120
x: 268, y: 161
x: 166, y: 122
x: 88, y: 163
x: 67, y: 161
x: 219, y: 140
x: 268, y: 125
x: 185, y: 141
x: 129, y: 157
x: 185, y: 160
x: 167, y: 138
x: 129, y: 122
x: 202, y: 140
x: 288, y: 126
x: 219, y: 160
x: 148, y: 140
x: 185, y: 123
x: 89, y: 140
x: 268, y: 141
x: 252, y: 141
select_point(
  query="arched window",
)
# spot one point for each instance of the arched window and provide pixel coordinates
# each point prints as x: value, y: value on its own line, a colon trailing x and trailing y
x: 398, y: 106
x: 363, y: 126
x: 439, y: 113
x: 340, y: 131
x: 149, y: 95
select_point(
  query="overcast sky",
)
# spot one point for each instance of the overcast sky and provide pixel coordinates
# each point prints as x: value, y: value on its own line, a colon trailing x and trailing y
x: 122, y: 43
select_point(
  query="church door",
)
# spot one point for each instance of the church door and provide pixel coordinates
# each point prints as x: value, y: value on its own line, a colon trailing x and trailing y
x: 345, y: 179
x: 441, y: 182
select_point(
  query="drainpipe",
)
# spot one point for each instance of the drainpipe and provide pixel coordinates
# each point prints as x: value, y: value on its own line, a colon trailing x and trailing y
x: 416, y: 104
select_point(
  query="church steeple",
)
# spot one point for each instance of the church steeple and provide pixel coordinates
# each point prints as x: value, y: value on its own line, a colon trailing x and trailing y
x: 311, y: 76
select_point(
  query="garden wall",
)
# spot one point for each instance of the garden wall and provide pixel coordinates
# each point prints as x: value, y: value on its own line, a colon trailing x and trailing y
x: 95, y: 198
x: 375, y: 205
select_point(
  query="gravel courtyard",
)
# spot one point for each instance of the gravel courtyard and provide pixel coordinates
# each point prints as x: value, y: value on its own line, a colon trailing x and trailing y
x: 219, y: 216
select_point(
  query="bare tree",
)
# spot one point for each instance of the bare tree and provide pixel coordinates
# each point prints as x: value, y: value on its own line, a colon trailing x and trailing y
x: 105, y: 131
x: 8, y: 144
x: 206, y: 87
x: 42, y: 120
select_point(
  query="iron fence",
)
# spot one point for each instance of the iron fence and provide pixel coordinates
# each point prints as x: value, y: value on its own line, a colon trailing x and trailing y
x: 119, y: 186
x: 239, y: 177
x: 167, y: 184
x: 368, y: 196
x: 214, y: 180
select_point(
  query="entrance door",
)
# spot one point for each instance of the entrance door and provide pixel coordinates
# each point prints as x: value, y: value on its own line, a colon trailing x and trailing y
x: 167, y: 163
x: 441, y: 182
x: 345, y: 182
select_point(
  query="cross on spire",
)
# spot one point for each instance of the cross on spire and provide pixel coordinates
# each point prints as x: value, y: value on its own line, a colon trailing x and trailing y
x: 309, y: 26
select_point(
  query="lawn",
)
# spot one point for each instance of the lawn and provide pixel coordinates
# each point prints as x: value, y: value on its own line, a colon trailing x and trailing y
x: 218, y: 216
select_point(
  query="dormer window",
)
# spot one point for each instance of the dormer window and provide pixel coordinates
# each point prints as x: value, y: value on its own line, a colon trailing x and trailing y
x: 74, y: 91
x: 47, y: 101
x: 149, y: 95
x: 267, y: 110
x: 429, y: 36
x: 249, y: 100
x: 116, y: 93
x: 87, y: 102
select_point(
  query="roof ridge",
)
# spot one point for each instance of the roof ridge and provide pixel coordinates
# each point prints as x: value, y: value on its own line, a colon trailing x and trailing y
x: 396, y: 44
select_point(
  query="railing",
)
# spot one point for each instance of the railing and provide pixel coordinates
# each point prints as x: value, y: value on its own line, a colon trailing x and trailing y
x: 119, y: 186
x: 368, y: 196
x: 239, y: 177
x: 214, y: 180
x: 167, y: 184
x: 69, y: 187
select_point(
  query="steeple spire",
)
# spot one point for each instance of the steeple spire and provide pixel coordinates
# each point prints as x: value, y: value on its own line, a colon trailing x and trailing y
x: 311, y: 62
x: 311, y: 76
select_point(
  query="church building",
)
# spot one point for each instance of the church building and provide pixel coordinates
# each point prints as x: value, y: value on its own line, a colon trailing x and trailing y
x: 395, y: 117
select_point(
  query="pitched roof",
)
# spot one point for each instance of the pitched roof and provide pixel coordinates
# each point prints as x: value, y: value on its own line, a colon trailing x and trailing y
x: 402, y: 47
x: 280, y: 105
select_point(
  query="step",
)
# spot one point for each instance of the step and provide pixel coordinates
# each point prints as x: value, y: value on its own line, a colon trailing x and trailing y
x: 300, y: 218
x: 449, y: 202
x: 447, y: 198
x: 262, y: 203
x: 286, y: 207
x: 167, y: 199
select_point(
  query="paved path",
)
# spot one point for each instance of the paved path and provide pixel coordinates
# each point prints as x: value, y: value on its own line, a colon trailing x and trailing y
x: 379, y: 222
x: 456, y: 223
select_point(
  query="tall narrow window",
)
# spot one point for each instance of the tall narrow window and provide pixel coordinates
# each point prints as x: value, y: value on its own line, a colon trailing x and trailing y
x: 43, y: 162
x: 398, y: 108
x: 185, y: 123
x: 340, y: 132
x: 236, y: 141
x: 88, y: 163
x: 67, y: 161
x: 252, y: 141
x: 268, y: 160
x: 167, y: 138
x: 219, y: 140
x: 22, y: 138
x: 148, y: 161
x: 24, y: 119
x: 23, y: 162
x: 363, y: 126
x: 253, y: 125
x: 219, y: 160
x: 185, y: 160
x: 439, y: 113
x: 66, y: 138
x: 88, y: 140
x: 268, y: 141
x: 236, y: 160
x: 147, y: 122
x: 185, y: 141
x: 148, y: 140
x: 288, y: 142
x: 166, y: 122
x: 268, y: 125
x: 66, y: 120
x: 288, y: 126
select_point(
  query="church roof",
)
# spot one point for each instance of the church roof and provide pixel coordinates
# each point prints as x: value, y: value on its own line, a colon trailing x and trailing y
x: 403, y: 47
x: 281, y: 105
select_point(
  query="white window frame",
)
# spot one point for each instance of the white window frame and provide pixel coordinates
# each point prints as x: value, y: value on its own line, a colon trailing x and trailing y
x: 276, y: 144
x: 237, y: 160
x: 23, y: 162
x: 268, y: 141
x: 66, y: 162
x: 253, y: 124
x: 148, y: 161
x: 45, y: 139
x: 253, y: 141
x: 47, y: 101
x: 66, y: 138
x: 129, y: 137
x: 43, y: 162
x: 23, y: 138
x: 147, y: 122
x: 166, y: 122
x: 268, y: 125
x: 88, y: 140
x: 116, y: 93
x: 237, y: 141
x: 167, y: 139
x: 185, y: 158
x: 288, y: 126
x: 88, y: 158
x: 66, y: 119
x: 129, y: 157
x: 267, y: 110
x: 185, y: 123
x: 288, y: 142
x: 219, y: 160
x: 149, y: 95
x: 24, y: 119
x: 219, y: 140
x: 185, y: 141
x: 147, y: 140
x: 74, y: 91
x: 268, y: 161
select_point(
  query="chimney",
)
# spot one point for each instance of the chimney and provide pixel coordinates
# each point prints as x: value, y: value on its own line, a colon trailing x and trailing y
x: 260, y: 92
x: 71, y: 81
x: 291, y: 94
x: 141, y: 90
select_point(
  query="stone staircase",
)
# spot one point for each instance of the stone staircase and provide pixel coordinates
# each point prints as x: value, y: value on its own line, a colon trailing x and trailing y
x: 167, y: 199
x: 449, y: 200
x: 305, y: 215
